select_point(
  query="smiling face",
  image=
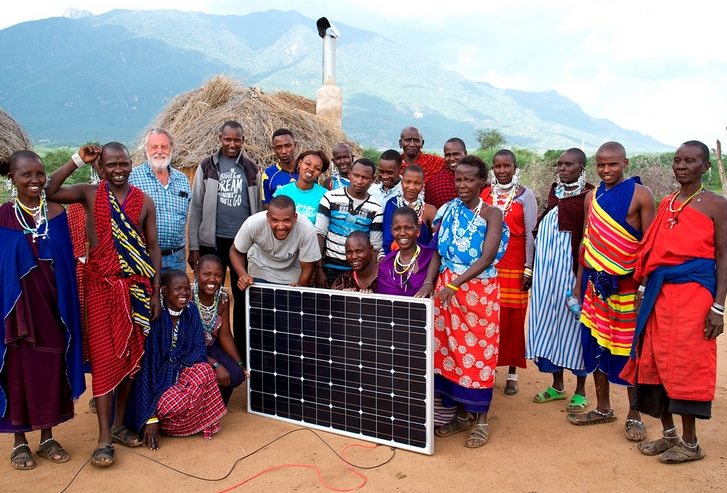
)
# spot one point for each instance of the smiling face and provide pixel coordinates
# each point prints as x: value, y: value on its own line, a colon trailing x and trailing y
x: 281, y: 221
x: 29, y: 178
x: 412, y: 183
x: 569, y: 169
x: 115, y: 165
x: 405, y: 231
x: 453, y: 152
x: 689, y: 165
x: 231, y: 140
x: 159, y: 151
x: 467, y: 182
x: 610, y: 165
x: 342, y: 158
x: 388, y: 173
x: 310, y: 168
x: 361, y: 177
x: 504, y: 169
x: 209, y: 277
x: 284, y: 149
x: 358, y: 252
x: 177, y: 293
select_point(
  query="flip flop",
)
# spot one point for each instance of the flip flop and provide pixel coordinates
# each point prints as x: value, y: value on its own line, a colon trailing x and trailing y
x: 656, y: 447
x: 594, y: 417
x: 478, y: 437
x: 512, y: 390
x: 126, y: 437
x: 454, y: 426
x: 550, y: 394
x: 22, y: 453
x: 578, y: 404
x: 681, y: 453
x: 50, y: 448
x: 634, y: 424
x: 104, y: 451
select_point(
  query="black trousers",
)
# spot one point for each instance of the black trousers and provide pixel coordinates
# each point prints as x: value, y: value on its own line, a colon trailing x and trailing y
x: 239, y: 329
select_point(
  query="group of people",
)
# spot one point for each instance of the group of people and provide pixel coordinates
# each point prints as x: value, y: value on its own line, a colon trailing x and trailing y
x: 165, y: 353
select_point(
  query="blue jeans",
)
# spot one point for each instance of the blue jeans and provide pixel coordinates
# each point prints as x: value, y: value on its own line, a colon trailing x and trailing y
x: 177, y: 260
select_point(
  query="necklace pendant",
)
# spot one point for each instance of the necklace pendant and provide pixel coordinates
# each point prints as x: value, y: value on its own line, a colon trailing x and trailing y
x: 672, y: 221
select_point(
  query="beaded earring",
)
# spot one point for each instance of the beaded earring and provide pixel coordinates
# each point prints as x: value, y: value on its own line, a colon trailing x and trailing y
x: 13, y: 192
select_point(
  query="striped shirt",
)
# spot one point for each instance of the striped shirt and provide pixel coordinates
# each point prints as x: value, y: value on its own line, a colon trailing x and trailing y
x: 171, y: 202
x: 339, y: 215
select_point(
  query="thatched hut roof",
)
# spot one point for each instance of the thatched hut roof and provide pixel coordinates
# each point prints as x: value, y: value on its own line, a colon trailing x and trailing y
x: 12, y: 137
x: 195, y: 117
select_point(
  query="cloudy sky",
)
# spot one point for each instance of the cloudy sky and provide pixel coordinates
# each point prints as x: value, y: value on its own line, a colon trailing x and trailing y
x: 650, y: 66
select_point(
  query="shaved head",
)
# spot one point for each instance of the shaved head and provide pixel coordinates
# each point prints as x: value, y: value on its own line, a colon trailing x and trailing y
x: 614, y: 147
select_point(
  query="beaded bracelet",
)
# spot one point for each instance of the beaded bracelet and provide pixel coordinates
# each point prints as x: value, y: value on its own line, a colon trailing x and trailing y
x: 216, y: 365
x: 153, y: 420
x: 718, y: 306
x: 239, y: 363
x: 718, y: 312
x: 528, y: 272
x: 453, y: 288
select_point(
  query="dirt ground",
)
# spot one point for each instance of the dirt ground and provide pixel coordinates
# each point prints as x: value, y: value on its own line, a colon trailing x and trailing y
x: 532, y: 448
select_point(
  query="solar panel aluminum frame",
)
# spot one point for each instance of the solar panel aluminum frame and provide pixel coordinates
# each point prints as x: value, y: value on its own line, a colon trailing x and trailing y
x: 426, y: 303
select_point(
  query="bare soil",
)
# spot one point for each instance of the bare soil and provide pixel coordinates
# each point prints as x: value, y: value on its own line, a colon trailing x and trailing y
x: 532, y: 448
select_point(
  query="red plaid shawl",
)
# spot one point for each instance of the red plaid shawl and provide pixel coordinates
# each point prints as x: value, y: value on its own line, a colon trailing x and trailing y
x: 115, y: 343
x: 430, y: 163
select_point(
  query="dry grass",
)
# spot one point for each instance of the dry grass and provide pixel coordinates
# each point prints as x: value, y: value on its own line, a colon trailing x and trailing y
x: 195, y: 118
x: 12, y: 137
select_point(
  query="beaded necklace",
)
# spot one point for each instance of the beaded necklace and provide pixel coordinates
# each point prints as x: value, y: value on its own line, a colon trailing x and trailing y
x: 208, y: 313
x: 508, y: 191
x: 417, y: 205
x: 675, y: 212
x: 464, y: 241
x: 407, y: 269
x: 39, y: 215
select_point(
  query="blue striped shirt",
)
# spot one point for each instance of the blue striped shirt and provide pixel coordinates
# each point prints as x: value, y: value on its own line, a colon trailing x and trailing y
x: 171, y: 202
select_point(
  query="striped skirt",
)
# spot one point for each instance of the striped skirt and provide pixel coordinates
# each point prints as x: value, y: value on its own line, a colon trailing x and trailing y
x: 553, y: 331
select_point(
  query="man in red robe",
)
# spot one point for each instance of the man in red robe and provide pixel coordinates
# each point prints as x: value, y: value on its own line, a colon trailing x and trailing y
x: 121, y: 281
x: 411, y: 142
x: 682, y: 265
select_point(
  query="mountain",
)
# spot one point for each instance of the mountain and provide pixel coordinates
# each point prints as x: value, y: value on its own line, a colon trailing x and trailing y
x: 69, y: 80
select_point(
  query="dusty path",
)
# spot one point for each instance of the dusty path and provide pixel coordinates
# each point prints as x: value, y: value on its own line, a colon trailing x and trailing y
x: 532, y: 449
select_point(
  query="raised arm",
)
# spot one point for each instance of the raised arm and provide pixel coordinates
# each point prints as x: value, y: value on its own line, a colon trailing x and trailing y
x: 72, y: 193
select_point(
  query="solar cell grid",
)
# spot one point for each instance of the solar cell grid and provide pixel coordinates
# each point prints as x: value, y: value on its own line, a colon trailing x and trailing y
x: 359, y: 365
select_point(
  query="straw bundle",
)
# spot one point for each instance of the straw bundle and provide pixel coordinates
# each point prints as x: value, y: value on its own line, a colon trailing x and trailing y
x: 195, y: 118
x: 12, y: 138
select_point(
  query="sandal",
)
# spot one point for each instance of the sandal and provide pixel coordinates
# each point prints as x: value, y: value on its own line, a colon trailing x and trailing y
x: 578, y: 404
x: 126, y: 437
x: 92, y: 405
x: 637, y: 425
x: 478, y: 437
x: 22, y: 453
x: 594, y: 417
x: 656, y: 447
x: 50, y: 449
x: 682, y: 453
x: 454, y: 426
x: 103, y: 456
x: 511, y: 390
x: 550, y: 394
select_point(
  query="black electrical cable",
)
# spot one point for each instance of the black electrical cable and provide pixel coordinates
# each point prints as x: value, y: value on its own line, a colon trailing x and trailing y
x: 365, y: 468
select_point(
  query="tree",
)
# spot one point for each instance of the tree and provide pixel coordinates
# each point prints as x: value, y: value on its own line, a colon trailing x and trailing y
x: 720, y: 167
x: 489, y: 138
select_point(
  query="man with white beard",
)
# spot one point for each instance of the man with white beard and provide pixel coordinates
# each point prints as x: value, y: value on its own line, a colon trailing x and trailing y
x: 171, y: 193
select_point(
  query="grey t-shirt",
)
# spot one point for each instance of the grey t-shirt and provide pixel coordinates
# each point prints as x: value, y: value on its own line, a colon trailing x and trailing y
x: 274, y: 260
x: 233, y: 205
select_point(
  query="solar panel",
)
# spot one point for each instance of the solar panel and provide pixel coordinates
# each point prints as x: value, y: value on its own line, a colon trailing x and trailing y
x: 355, y: 364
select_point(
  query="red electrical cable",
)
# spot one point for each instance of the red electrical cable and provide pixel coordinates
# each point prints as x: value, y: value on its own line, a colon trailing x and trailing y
x: 310, y: 466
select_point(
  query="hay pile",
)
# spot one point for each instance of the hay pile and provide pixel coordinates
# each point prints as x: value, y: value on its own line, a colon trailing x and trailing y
x: 12, y: 138
x: 195, y: 118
